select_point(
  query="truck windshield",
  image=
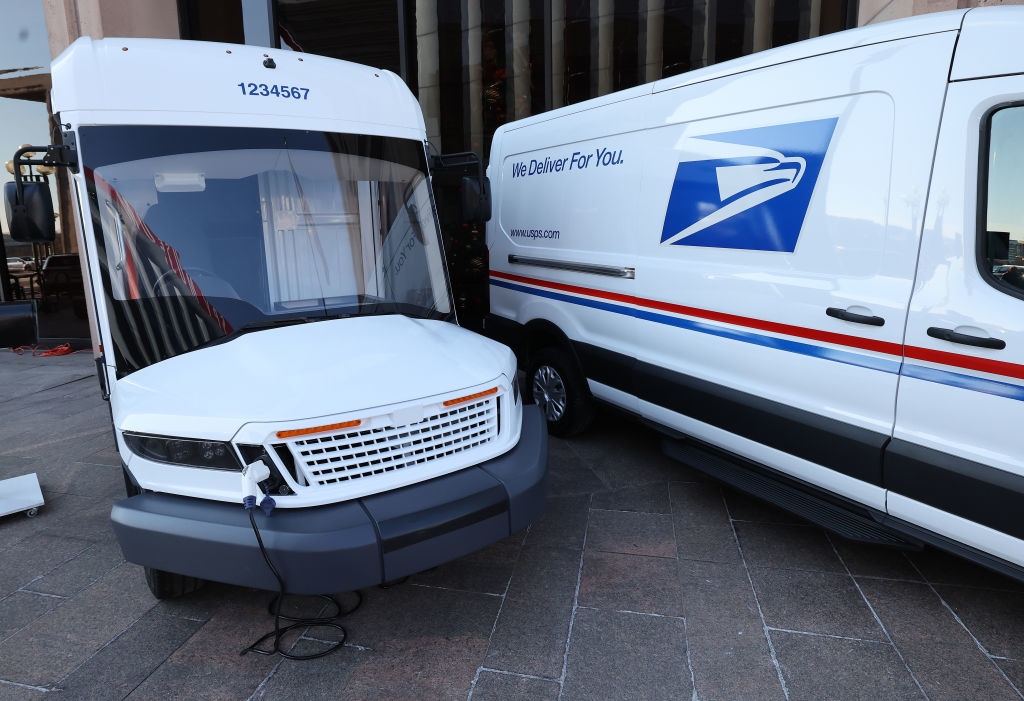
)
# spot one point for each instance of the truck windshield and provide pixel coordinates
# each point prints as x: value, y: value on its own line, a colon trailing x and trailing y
x: 204, y: 233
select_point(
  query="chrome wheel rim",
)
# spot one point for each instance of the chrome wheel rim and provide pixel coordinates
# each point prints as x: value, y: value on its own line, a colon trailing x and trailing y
x: 549, y: 392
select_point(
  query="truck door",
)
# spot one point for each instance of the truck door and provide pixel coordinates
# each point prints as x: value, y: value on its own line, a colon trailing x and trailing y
x: 955, y: 464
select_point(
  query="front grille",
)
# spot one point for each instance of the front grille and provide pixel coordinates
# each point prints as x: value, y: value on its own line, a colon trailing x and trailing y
x: 362, y: 453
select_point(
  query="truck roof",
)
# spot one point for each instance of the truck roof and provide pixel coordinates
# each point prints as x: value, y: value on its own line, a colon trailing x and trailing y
x: 169, y: 81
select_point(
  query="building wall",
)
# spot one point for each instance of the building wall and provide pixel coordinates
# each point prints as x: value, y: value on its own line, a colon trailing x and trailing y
x: 874, y: 11
x: 66, y: 20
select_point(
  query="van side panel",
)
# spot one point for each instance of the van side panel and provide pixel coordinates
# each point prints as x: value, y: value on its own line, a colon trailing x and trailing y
x: 764, y: 199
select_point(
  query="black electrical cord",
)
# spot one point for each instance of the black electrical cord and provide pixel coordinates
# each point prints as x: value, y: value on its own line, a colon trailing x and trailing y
x: 274, y: 609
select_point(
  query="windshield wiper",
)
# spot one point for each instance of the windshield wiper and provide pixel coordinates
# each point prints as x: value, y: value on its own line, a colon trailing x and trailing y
x: 258, y: 325
x: 271, y: 323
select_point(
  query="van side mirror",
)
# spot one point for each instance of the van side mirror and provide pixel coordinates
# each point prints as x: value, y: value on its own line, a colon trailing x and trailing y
x: 31, y: 219
x: 476, y: 199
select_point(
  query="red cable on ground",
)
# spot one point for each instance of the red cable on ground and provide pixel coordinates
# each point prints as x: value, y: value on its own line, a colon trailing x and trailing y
x: 46, y: 351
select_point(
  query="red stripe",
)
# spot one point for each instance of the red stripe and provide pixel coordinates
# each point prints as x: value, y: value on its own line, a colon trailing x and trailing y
x: 968, y: 362
x: 771, y: 326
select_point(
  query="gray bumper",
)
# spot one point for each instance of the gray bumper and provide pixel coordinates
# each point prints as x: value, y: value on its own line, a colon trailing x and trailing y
x: 345, y: 546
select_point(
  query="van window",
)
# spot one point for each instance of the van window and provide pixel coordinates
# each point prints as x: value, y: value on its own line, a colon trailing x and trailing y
x: 1002, y: 220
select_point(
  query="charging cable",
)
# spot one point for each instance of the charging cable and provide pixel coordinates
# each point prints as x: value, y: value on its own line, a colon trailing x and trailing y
x: 252, y: 475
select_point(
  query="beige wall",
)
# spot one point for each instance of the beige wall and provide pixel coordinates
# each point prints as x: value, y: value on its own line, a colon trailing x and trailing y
x: 66, y: 20
x: 874, y: 11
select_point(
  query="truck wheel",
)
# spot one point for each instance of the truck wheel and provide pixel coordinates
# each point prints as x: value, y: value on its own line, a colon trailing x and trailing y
x: 558, y: 387
x: 168, y: 585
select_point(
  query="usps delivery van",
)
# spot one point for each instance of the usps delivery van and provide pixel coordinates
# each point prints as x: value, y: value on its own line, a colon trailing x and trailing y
x: 275, y: 322
x: 806, y: 262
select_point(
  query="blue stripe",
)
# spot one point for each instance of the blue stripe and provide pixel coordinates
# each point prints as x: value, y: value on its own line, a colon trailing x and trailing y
x: 835, y: 355
x: 918, y: 372
x: 956, y: 379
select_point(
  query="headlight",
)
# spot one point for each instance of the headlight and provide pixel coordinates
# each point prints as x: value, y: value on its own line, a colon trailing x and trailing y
x: 217, y: 455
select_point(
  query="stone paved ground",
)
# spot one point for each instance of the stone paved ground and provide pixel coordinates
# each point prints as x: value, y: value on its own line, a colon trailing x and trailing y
x: 643, y: 580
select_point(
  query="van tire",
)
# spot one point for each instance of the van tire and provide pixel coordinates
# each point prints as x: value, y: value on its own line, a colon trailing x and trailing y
x: 555, y: 373
x: 169, y: 585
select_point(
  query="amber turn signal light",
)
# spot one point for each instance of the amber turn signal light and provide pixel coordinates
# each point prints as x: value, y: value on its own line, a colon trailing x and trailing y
x: 471, y: 397
x: 317, y: 429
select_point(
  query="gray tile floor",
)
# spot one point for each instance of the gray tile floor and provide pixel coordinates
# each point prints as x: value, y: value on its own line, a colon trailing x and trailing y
x: 642, y: 580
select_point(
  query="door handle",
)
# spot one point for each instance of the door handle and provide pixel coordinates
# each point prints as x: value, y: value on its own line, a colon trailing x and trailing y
x: 856, y: 318
x: 966, y: 339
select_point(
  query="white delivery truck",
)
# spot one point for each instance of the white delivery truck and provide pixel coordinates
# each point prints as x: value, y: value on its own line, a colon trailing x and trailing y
x: 807, y: 262
x: 274, y: 317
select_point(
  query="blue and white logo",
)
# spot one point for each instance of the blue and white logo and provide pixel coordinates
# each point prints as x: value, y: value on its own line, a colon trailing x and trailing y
x: 746, y: 189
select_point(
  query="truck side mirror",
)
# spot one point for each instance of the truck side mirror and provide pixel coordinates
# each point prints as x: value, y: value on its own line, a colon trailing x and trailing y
x: 31, y: 219
x: 476, y: 199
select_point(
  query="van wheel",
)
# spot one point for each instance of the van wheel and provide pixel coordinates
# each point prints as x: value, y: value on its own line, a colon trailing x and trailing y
x: 558, y: 387
x: 168, y: 585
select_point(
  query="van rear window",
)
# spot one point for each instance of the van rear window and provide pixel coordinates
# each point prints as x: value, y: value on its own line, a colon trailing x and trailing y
x: 1002, y: 186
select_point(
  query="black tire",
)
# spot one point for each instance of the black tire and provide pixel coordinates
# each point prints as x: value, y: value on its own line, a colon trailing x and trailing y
x: 554, y: 369
x: 168, y: 585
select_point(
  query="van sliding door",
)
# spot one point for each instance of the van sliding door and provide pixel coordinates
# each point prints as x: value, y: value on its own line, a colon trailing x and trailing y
x: 782, y: 209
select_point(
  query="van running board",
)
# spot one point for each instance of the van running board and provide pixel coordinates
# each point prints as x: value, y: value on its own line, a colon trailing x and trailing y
x: 746, y: 477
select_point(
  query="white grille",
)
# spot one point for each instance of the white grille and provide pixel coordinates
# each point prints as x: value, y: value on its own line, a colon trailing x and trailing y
x: 362, y: 453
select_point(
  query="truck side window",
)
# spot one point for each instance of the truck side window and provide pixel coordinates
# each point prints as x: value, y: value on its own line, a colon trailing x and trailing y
x: 1002, y: 221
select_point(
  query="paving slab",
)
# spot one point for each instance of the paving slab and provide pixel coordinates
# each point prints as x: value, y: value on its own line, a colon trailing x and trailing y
x: 940, y: 567
x: 405, y: 618
x: 14, y: 692
x: 620, y: 582
x: 650, y: 498
x: 324, y: 678
x: 119, y: 667
x: 492, y: 686
x: 788, y: 547
x: 995, y: 618
x: 818, y: 667
x: 530, y: 633
x: 626, y: 655
x: 20, y: 608
x: 815, y: 602
x: 743, y: 507
x: 563, y: 523
x: 1014, y: 671
x: 934, y: 645
x: 877, y: 561
x: 568, y: 473
x: 55, y: 644
x: 701, y: 523
x: 81, y: 571
x: 631, y: 533
x: 486, y: 571
x: 35, y: 556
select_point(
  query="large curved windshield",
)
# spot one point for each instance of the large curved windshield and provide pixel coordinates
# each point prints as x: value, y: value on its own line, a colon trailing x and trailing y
x: 204, y: 233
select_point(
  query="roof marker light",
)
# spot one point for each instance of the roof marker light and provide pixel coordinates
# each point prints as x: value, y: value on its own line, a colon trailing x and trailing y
x: 471, y: 397
x: 317, y: 429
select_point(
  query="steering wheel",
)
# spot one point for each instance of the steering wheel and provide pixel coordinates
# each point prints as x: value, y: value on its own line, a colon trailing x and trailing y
x: 188, y: 271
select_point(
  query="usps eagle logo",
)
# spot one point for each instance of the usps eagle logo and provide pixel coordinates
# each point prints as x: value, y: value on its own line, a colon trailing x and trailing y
x: 746, y: 189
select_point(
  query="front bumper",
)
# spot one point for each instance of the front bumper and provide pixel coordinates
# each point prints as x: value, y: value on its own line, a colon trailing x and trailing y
x: 349, y: 545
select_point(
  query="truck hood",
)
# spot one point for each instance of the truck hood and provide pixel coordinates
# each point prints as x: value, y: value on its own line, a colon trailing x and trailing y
x: 304, y: 371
